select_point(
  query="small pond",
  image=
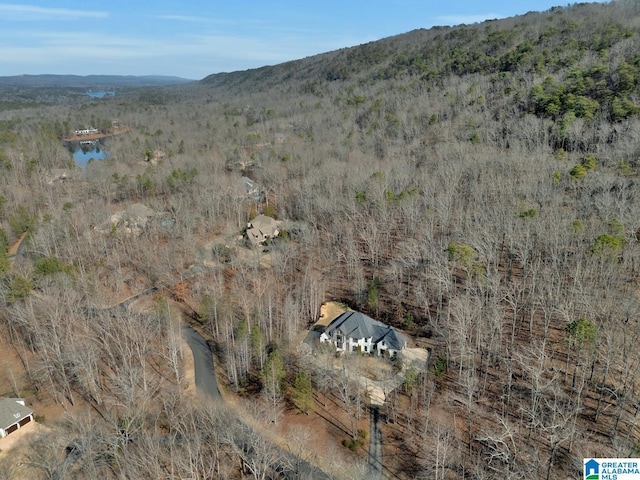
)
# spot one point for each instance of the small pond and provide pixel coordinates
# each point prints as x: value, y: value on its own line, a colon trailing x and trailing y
x: 83, y: 153
x: 101, y: 94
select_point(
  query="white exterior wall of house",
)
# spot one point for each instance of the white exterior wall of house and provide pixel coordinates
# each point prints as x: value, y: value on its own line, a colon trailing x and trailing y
x: 338, y: 341
x: 364, y: 344
x: 382, y: 347
x: 353, y: 331
x: 3, y: 431
x: 349, y: 344
x: 324, y: 338
x: 19, y: 420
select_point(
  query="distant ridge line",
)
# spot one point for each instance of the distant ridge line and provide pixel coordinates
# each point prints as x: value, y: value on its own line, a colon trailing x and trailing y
x: 91, y: 81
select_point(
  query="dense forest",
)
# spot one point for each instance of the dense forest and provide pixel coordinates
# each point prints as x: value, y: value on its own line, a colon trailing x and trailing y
x: 473, y: 186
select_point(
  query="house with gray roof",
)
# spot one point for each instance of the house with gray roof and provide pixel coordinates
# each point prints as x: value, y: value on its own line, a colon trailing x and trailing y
x: 13, y: 415
x: 354, y: 331
x: 250, y: 188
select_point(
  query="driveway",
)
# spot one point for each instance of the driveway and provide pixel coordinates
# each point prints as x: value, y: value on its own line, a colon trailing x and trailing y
x: 375, y: 444
x: 205, y: 377
x: 290, y: 466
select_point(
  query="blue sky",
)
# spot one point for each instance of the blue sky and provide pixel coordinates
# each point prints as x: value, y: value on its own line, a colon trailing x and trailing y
x: 192, y: 39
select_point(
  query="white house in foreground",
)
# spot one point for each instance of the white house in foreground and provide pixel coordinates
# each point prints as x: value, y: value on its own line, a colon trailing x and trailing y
x: 13, y: 415
x: 354, y: 331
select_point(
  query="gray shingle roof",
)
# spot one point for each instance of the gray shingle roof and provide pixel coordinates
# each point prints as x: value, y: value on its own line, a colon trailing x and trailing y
x: 249, y: 186
x: 357, y: 325
x: 11, y: 411
x: 393, y: 338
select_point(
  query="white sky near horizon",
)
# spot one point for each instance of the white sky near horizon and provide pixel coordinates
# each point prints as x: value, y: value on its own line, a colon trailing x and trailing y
x: 192, y: 39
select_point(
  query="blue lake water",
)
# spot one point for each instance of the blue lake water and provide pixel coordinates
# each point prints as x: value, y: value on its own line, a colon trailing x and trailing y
x: 84, y: 154
x: 100, y: 94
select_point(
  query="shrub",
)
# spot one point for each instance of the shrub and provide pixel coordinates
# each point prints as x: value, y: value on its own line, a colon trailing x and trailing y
x: 607, y: 244
x: 361, y: 197
x: 21, y: 220
x: 439, y: 366
x: 589, y: 162
x: 181, y: 178
x: 578, y: 172
x: 269, y: 210
x: 4, y: 241
x: 51, y: 265
x: 19, y: 289
x: 582, y: 333
x: 4, y: 262
x: 560, y: 154
x: 352, y: 443
x: 302, y: 393
x: 625, y: 168
x: 530, y: 213
x: 408, y: 321
x: 459, y: 252
x: 577, y: 225
x: 373, y: 293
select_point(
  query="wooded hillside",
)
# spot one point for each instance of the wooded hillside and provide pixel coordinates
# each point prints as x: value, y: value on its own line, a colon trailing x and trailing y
x: 475, y: 187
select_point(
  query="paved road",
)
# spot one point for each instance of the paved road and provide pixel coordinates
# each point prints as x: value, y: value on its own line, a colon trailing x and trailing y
x: 290, y: 467
x: 203, y: 361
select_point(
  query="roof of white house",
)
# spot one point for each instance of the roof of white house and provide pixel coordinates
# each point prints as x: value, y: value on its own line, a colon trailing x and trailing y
x: 12, y: 410
x: 358, y: 325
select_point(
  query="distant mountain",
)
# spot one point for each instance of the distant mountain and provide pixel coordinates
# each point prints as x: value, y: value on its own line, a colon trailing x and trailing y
x: 92, y: 81
x: 579, y: 61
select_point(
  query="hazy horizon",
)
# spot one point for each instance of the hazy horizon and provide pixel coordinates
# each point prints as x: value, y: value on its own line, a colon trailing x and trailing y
x: 195, y: 39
